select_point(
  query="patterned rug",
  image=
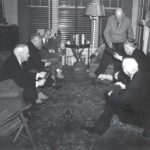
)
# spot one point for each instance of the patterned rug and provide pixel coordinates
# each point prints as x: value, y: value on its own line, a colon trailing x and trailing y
x: 76, y: 102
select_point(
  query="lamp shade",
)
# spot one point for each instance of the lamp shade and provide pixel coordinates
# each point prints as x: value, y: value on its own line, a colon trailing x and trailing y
x: 95, y: 9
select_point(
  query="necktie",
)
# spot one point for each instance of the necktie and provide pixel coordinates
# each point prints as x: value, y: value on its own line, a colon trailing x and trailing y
x: 21, y: 66
x: 118, y: 24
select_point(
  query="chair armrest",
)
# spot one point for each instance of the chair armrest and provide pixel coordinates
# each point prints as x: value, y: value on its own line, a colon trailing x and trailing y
x: 7, y: 116
x: 26, y: 107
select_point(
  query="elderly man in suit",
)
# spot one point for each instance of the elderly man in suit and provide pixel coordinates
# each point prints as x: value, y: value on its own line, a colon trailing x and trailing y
x: 13, y: 69
x: 131, y: 50
x: 35, y: 63
x: 134, y: 96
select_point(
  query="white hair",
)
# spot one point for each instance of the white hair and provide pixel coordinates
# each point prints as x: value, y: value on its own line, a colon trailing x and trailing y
x: 20, y: 48
x: 130, y: 65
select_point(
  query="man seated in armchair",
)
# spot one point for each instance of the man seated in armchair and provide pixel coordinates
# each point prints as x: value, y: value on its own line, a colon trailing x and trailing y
x: 51, y: 51
x: 35, y: 63
x: 13, y: 69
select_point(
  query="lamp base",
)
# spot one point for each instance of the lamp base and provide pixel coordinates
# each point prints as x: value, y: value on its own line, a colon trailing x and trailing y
x: 4, y: 21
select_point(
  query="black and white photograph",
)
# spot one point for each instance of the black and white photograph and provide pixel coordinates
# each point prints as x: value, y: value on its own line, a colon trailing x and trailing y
x: 74, y: 74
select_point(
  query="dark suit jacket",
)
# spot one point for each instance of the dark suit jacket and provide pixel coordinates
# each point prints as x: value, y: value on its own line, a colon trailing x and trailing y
x: 34, y: 62
x: 11, y: 69
x: 136, y: 94
x: 141, y: 59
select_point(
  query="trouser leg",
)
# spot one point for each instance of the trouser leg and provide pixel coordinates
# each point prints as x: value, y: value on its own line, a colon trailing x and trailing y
x: 105, y: 61
x: 117, y: 66
x: 104, y: 121
x: 30, y: 95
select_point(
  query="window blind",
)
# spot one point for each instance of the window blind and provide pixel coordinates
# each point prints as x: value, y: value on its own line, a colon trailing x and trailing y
x: 38, y: 18
x: 67, y: 22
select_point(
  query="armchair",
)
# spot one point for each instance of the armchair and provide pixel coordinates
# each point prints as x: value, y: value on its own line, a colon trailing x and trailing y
x: 11, y: 111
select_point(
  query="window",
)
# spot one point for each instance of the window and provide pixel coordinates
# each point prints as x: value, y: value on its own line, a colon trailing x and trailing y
x: 68, y: 16
x: 38, y: 2
x: 38, y: 15
x: 72, y: 18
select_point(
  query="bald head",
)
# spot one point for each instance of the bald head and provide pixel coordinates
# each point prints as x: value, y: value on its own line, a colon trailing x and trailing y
x: 119, y: 14
x: 21, y: 51
x: 130, y: 66
x: 36, y: 41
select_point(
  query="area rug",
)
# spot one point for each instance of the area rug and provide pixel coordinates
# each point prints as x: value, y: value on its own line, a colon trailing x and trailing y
x: 76, y: 102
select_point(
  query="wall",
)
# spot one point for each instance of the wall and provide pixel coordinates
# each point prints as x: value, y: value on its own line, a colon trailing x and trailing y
x: 1, y: 12
x: 127, y: 7
x: 23, y: 21
x: 135, y: 14
x: 11, y: 11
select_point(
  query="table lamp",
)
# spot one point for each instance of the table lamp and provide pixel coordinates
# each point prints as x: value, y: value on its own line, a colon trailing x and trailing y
x: 94, y: 10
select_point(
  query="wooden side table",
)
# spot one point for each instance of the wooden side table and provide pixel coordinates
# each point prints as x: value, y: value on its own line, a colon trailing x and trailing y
x: 76, y: 50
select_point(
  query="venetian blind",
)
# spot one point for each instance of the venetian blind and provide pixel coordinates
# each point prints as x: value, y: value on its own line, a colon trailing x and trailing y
x: 62, y: 14
x: 69, y: 18
x: 72, y: 20
x: 38, y: 15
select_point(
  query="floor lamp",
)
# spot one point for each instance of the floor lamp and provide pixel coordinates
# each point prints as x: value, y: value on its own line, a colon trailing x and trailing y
x: 94, y: 10
x: 3, y: 9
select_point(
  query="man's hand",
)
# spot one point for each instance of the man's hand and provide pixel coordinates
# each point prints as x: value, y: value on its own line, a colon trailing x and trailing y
x: 123, y: 86
x: 116, y: 75
x: 40, y: 75
x: 110, y: 45
x: 40, y: 82
x: 110, y: 92
x: 117, y: 56
x: 47, y: 64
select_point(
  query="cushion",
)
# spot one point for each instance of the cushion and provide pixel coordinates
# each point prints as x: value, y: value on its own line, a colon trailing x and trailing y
x: 9, y: 85
x: 10, y: 96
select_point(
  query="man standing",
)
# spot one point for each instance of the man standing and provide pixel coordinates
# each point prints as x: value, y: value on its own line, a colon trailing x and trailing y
x: 118, y: 30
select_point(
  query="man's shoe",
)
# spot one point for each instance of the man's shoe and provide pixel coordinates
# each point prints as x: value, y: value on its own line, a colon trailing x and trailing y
x: 39, y: 101
x: 60, y: 76
x: 92, y: 130
x: 41, y: 95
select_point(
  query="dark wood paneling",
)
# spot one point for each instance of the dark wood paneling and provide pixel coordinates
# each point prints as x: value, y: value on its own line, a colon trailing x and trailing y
x: 1, y: 12
x: 23, y: 21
